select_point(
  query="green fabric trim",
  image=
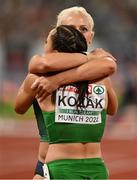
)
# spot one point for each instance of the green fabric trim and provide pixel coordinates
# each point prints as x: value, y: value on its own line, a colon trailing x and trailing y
x: 40, y: 121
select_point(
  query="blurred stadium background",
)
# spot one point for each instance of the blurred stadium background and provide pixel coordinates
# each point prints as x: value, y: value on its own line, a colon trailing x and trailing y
x: 24, y: 25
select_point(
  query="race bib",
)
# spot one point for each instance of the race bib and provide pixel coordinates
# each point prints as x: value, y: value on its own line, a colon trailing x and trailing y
x: 46, y: 172
x: 68, y: 112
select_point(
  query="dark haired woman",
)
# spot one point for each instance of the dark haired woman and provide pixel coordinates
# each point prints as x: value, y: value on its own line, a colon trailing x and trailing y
x: 75, y: 121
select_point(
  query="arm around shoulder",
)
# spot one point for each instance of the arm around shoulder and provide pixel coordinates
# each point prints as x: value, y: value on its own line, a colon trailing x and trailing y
x: 55, y: 62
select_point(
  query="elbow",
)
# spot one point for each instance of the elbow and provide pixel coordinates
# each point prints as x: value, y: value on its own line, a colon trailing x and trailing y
x: 40, y: 68
x: 112, y: 111
x: 19, y: 110
x: 31, y: 69
x: 112, y: 67
x: 38, y: 64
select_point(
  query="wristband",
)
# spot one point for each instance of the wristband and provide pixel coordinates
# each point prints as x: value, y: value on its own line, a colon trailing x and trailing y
x: 39, y: 168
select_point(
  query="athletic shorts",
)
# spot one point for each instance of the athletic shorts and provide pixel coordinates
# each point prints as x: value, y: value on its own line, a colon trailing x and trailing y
x: 90, y: 168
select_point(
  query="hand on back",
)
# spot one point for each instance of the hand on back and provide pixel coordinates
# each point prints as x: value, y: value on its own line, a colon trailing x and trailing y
x: 44, y: 87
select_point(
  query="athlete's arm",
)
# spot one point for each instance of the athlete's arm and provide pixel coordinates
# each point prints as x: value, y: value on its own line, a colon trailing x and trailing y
x: 62, y: 61
x: 55, y: 62
x: 112, y: 98
x: 92, y: 70
x: 25, y: 95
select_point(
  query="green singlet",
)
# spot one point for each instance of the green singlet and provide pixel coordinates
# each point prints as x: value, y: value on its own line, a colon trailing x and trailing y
x: 40, y: 122
x: 67, y: 124
x: 72, y: 133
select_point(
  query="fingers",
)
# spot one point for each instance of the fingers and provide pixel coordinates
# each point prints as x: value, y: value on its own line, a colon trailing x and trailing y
x: 38, y: 89
x: 35, y: 84
x: 43, y: 87
x: 40, y: 93
x: 43, y: 96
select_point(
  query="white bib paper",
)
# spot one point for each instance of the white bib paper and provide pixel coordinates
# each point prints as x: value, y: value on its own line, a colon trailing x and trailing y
x: 66, y: 105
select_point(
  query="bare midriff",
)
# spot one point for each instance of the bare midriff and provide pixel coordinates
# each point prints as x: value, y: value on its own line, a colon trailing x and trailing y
x: 73, y: 151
